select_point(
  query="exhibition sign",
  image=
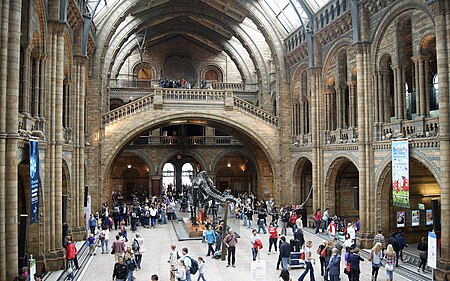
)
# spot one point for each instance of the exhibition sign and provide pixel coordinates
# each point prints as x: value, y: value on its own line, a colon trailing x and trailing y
x: 400, y: 174
x: 34, y: 181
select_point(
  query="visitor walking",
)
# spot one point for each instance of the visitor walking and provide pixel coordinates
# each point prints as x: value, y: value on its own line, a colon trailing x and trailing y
x: 256, y: 244
x: 201, y: 269
x: 120, y: 270
x: 391, y: 260
x: 376, y: 256
x: 210, y: 236
x: 334, y: 265
x: 230, y: 242
x: 423, y: 248
x: 309, y: 260
x: 285, y: 253
x: 317, y: 219
x: 273, y: 237
x: 104, y: 239
x: 138, y: 248
x: 355, y: 259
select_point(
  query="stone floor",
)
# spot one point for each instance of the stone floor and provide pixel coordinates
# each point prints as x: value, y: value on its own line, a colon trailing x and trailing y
x: 158, y: 241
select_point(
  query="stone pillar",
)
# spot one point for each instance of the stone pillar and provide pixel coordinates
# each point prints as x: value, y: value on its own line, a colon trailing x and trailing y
x: 59, y: 137
x: 36, y: 86
x: 365, y: 121
x: 4, y: 9
x: 26, y: 75
x: 340, y: 108
x: 442, y: 21
x: 317, y: 125
x: 42, y: 60
x: 12, y: 106
x: 352, y: 103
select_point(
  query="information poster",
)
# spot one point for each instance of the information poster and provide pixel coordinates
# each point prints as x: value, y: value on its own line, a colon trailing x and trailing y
x: 415, y: 218
x: 400, y: 173
x: 429, y: 217
x: 432, y: 249
x: 34, y: 181
x: 258, y: 270
x: 401, y: 219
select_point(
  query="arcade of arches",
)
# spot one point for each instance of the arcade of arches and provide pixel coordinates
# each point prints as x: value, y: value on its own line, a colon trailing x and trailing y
x: 299, y: 101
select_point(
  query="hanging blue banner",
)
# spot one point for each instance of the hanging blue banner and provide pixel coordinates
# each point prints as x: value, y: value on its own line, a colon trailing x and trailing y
x: 34, y: 181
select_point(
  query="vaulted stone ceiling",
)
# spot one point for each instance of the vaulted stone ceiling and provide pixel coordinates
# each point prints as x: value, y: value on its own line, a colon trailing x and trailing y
x: 243, y: 29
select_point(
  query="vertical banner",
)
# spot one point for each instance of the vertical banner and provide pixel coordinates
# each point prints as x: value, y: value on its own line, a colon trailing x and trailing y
x: 400, y: 173
x: 34, y: 181
x: 432, y: 250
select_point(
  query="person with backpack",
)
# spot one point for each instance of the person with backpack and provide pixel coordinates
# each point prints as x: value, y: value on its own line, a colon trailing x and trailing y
x: 120, y: 270
x: 138, y: 248
x: 104, y: 239
x: 321, y: 251
x: 394, y: 242
x: 190, y: 263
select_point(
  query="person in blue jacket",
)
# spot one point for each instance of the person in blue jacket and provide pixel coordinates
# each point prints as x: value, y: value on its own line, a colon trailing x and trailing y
x: 334, y: 265
x: 210, y: 237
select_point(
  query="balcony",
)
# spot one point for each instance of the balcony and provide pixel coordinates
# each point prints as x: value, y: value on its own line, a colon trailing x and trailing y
x: 150, y: 141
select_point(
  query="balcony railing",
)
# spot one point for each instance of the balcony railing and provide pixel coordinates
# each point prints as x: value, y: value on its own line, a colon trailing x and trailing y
x: 145, y: 141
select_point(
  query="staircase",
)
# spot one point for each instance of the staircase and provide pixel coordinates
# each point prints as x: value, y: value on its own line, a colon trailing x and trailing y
x: 185, y: 98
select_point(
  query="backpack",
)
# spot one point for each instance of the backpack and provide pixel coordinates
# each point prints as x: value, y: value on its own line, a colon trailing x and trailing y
x: 194, y: 266
x: 135, y: 246
x: 101, y: 236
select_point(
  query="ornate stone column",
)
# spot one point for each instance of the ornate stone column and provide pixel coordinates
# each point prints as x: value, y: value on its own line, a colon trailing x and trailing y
x: 36, y: 86
x: 4, y: 19
x: 339, y: 108
x: 442, y: 21
x: 26, y: 75
x: 12, y: 106
x: 317, y: 126
x: 352, y: 103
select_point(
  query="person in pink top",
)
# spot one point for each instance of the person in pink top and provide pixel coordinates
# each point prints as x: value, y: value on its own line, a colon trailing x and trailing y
x: 273, y: 237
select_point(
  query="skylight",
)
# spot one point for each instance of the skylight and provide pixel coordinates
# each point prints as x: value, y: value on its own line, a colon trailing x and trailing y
x: 290, y: 13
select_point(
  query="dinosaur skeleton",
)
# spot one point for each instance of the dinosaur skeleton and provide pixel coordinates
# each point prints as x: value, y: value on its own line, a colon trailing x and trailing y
x: 203, y: 190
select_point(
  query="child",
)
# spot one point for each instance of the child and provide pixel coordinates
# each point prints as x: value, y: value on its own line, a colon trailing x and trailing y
x: 201, y: 269
x: 91, y: 243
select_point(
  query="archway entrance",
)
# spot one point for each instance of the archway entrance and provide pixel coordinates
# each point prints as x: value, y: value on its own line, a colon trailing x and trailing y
x: 130, y: 176
x: 303, y: 184
x: 237, y: 174
x: 344, y: 189
x: 204, y: 145
x: 423, y: 189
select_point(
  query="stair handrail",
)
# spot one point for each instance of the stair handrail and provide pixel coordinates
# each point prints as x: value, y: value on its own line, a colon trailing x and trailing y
x: 255, y: 111
x: 127, y: 109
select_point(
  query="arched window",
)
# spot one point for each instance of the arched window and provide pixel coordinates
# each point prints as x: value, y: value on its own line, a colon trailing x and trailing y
x: 144, y: 74
x: 434, y: 93
x: 187, y: 174
x: 168, y: 175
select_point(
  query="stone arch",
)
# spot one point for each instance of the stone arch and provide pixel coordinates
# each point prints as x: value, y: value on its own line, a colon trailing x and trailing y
x: 243, y: 152
x: 415, y: 154
x: 144, y: 157
x: 390, y: 16
x: 141, y: 65
x: 119, y: 141
x: 344, y: 42
x: 333, y: 167
x: 425, y: 42
x: 212, y: 67
x: 296, y: 80
x: 301, y: 181
x: 194, y: 154
x: 42, y: 25
x: 384, y: 219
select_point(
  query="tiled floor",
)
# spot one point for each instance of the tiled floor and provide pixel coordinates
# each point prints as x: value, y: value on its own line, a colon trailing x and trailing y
x: 157, y: 244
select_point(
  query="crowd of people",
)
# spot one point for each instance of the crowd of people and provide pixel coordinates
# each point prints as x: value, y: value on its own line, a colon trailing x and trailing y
x: 276, y: 223
x: 177, y: 84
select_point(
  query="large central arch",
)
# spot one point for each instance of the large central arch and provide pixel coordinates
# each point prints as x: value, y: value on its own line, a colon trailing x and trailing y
x: 259, y: 140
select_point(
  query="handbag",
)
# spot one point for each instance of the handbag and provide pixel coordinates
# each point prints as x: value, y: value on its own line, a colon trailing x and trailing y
x: 347, y: 268
x: 389, y: 267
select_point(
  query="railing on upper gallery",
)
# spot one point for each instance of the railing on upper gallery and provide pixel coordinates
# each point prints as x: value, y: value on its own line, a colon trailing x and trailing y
x: 183, y: 95
x: 145, y: 141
